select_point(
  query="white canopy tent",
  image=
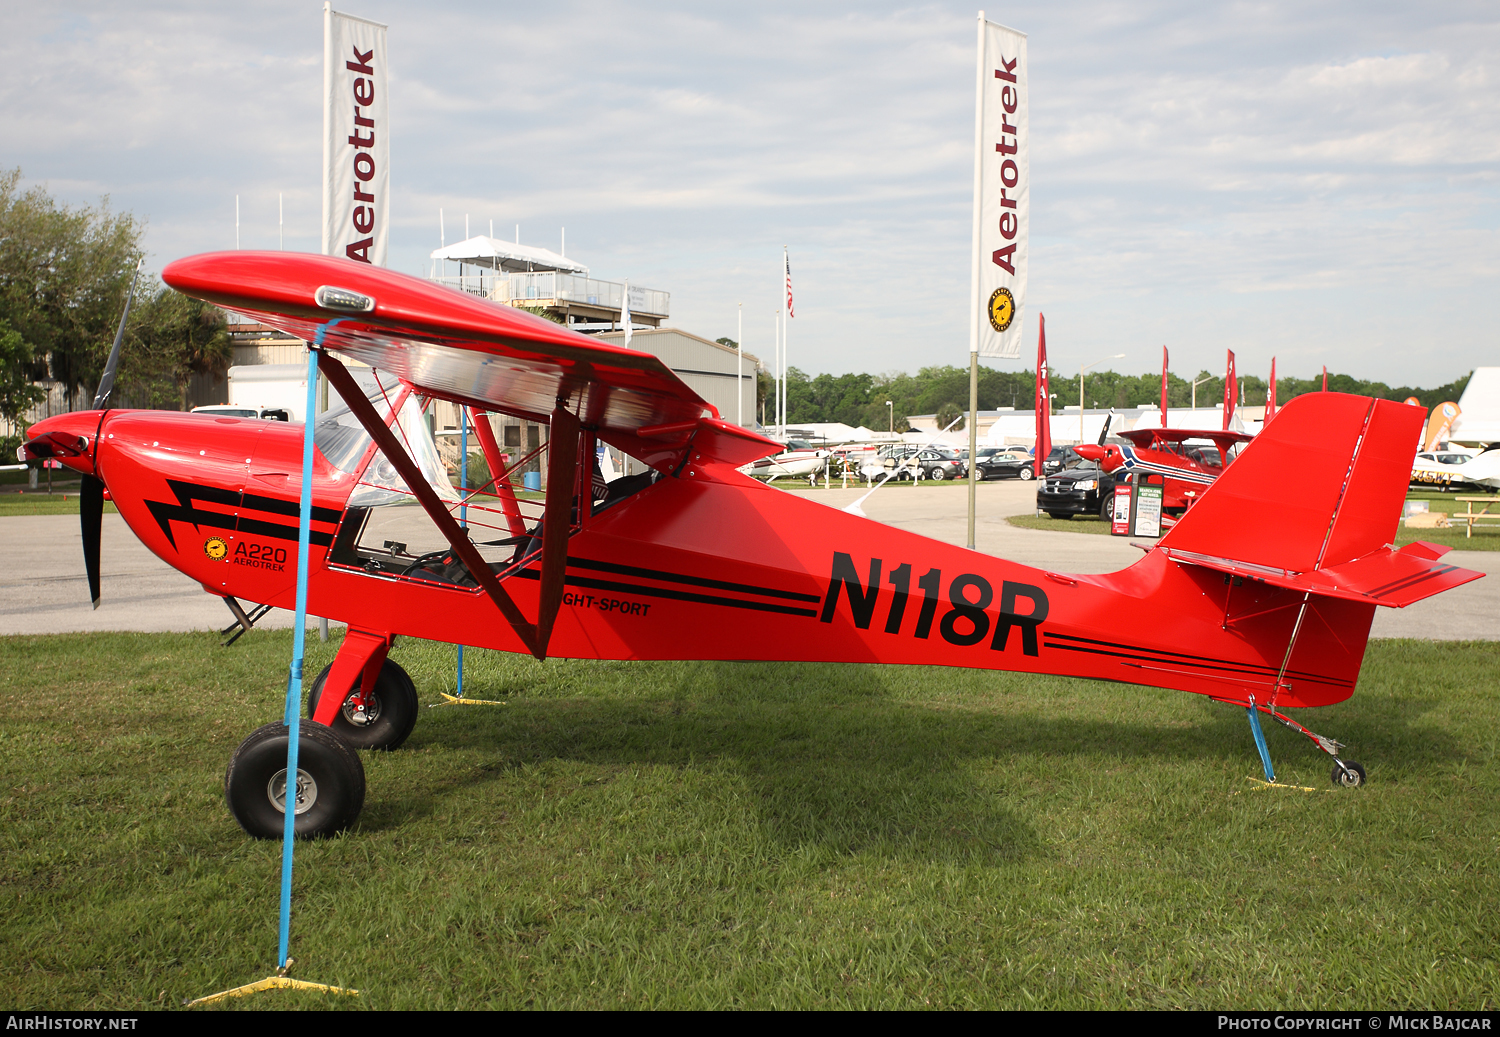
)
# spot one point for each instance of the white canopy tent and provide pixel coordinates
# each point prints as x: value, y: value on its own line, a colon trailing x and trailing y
x: 484, y: 251
x: 1478, y: 421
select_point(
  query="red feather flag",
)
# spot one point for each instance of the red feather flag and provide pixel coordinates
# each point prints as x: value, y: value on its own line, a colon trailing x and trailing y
x: 1270, y: 397
x: 1231, y: 390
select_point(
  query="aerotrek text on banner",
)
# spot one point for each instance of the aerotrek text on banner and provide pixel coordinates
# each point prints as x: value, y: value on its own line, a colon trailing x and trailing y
x: 1002, y: 192
x: 356, y: 139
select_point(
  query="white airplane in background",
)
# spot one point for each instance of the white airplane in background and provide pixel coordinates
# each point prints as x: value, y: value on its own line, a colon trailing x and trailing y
x: 1483, y: 469
x: 798, y: 460
x: 1445, y: 468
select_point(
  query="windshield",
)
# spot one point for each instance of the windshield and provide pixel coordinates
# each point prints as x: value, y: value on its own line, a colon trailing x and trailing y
x: 343, y: 442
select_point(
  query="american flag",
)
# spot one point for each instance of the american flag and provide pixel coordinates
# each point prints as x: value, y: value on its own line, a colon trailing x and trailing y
x: 789, y: 311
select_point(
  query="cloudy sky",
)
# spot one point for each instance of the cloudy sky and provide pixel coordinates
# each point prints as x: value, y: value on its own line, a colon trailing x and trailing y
x: 1315, y: 181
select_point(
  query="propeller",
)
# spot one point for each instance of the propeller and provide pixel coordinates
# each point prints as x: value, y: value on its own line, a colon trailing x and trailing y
x: 91, y: 491
x: 1101, y: 453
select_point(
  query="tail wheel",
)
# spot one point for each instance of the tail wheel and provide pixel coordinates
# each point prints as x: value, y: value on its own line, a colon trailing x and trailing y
x: 1347, y: 774
x: 327, y: 796
x: 384, y: 718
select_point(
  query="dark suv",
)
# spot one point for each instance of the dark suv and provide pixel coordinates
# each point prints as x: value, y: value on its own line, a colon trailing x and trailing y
x: 1082, y: 488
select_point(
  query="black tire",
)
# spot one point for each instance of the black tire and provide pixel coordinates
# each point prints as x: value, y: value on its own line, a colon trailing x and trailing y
x: 390, y: 713
x: 1025, y: 474
x: 1107, y: 509
x: 1347, y: 774
x: 330, y: 773
x: 940, y: 474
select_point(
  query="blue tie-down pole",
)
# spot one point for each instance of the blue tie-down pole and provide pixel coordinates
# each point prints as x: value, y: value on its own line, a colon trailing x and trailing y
x: 299, y: 637
x: 463, y: 510
x: 1260, y: 742
x: 281, y: 981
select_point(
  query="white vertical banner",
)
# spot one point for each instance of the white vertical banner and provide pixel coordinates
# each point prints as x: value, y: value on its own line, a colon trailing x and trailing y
x: 1002, y: 192
x: 356, y: 139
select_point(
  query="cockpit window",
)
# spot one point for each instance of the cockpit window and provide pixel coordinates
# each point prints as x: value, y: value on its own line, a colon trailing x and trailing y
x: 343, y: 442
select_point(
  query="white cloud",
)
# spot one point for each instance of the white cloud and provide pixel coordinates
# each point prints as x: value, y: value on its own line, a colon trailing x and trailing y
x: 1202, y: 176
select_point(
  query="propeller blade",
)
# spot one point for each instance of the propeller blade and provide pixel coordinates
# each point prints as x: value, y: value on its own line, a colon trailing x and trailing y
x: 1104, y: 432
x: 107, y: 380
x: 91, y: 518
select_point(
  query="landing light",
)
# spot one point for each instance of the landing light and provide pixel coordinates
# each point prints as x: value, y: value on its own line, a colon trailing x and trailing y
x: 343, y: 300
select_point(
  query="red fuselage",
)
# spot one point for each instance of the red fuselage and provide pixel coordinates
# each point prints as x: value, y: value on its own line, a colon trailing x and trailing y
x: 710, y: 564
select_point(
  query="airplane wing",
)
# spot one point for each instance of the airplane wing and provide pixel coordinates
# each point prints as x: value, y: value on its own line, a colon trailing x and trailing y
x: 1145, y: 437
x: 456, y: 346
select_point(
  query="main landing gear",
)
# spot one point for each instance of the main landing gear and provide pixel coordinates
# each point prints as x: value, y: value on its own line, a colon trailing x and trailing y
x: 381, y: 718
x: 1346, y: 773
x: 377, y: 710
x: 328, y: 794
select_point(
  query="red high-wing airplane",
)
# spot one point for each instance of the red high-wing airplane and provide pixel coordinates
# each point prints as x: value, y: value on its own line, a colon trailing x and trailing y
x: 1255, y: 598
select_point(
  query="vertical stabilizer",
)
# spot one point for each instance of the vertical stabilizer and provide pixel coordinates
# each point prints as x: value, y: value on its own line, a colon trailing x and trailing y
x: 1320, y: 486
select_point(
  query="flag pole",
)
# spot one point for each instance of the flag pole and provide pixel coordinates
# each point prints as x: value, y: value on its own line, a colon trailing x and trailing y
x: 974, y: 292
x: 786, y: 327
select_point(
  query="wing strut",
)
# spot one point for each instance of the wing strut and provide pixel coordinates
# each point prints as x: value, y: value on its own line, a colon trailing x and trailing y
x: 557, y: 519
x: 384, y: 438
x: 501, y: 484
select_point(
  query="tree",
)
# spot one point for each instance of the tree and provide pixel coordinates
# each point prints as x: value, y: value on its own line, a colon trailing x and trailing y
x: 949, y: 413
x: 169, y: 339
x: 17, y: 393
x: 64, y: 273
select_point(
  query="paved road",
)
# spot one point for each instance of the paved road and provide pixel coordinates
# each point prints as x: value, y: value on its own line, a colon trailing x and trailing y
x: 43, y: 590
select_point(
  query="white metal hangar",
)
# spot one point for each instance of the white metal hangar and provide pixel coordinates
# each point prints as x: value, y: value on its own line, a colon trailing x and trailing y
x: 711, y: 369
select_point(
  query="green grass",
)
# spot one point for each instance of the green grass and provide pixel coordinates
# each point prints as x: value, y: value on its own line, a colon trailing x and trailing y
x: 1076, y: 524
x: 703, y: 835
x: 63, y: 500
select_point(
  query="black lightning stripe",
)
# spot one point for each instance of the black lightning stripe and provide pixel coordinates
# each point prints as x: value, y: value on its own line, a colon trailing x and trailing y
x: 190, y: 494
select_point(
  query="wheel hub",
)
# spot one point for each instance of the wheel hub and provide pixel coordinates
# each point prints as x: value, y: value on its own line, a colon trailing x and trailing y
x: 362, y: 710
x: 307, y: 791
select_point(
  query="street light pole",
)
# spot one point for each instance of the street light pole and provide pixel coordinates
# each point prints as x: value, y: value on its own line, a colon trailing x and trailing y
x: 1085, y: 367
x: 1206, y: 378
x: 892, y: 414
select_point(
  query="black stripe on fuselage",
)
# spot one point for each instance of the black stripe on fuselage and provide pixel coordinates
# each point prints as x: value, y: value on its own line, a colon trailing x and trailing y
x: 190, y: 494
x: 669, y: 593
x: 1139, y: 654
x: 694, y: 581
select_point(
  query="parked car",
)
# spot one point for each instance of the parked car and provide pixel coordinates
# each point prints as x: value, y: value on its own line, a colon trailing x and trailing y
x: 1004, y: 463
x: 938, y: 463
x: 1060, y: 458
x: 1082, y: 488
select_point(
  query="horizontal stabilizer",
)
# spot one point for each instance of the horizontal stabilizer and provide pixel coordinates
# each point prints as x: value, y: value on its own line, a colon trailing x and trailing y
x: 1383, y: 577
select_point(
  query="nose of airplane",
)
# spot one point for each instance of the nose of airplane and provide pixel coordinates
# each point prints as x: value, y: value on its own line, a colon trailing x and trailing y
x: 68, y: 438
x: 1109, y: 457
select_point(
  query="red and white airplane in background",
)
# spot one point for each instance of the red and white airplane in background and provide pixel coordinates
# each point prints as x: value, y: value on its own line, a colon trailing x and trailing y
x: 1254, y: 598
x: 1186, y: 471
